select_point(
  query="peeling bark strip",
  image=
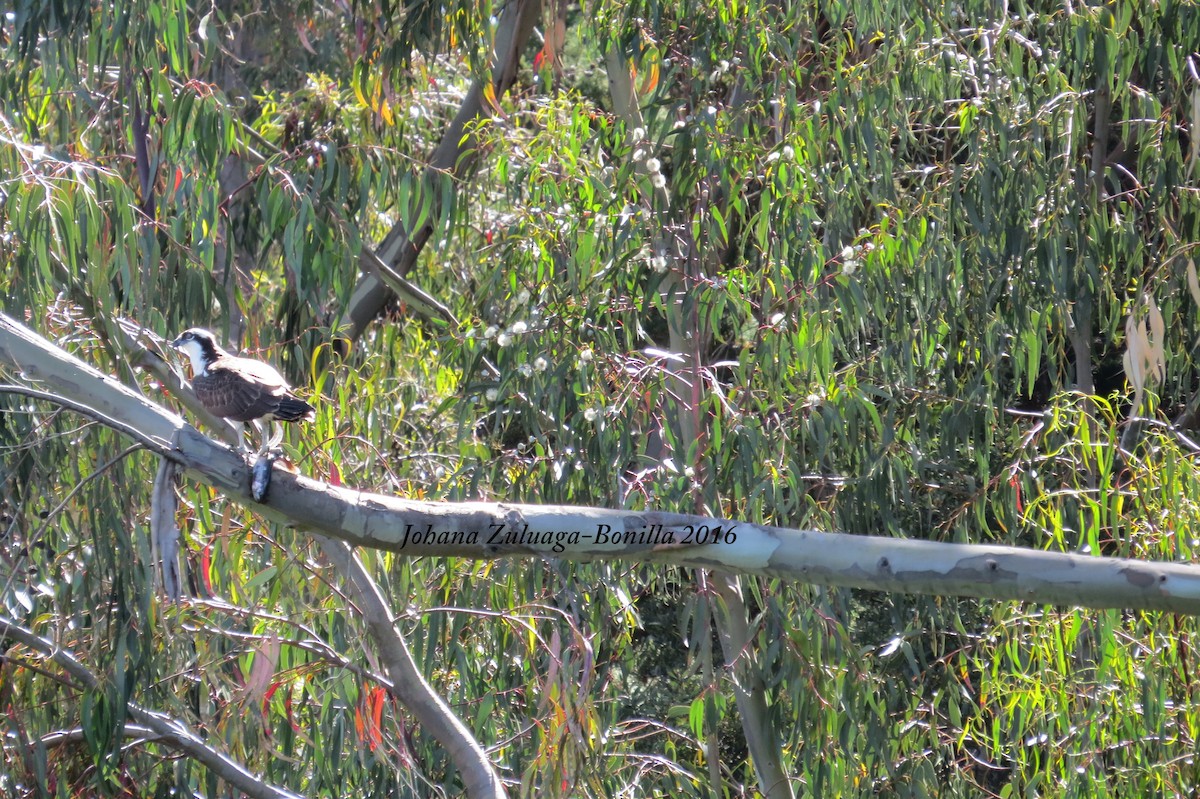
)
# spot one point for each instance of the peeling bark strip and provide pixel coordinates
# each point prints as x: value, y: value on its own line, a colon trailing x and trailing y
x: 466, y: 529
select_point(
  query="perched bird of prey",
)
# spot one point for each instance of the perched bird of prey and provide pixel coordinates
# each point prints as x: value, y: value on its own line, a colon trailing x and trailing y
x: 240, y: 389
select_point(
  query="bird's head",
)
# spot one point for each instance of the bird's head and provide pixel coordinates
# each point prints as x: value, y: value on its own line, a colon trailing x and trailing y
x: 199, y: 345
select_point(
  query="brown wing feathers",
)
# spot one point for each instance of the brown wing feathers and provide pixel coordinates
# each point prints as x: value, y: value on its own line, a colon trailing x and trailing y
x: 242, y: 390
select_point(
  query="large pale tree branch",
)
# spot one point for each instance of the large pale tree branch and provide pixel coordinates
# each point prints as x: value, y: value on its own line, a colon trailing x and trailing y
x: 465, y: 529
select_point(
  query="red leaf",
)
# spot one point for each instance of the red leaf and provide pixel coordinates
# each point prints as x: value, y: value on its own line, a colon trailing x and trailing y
x: 1016, y: 485
x: 378, y: 695
x: 270, y: 692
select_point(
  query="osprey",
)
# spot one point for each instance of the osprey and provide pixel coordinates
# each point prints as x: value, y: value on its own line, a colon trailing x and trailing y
x: 240, y: 389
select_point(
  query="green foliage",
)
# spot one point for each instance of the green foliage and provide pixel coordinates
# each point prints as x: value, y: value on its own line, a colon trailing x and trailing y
x: 909, y: 238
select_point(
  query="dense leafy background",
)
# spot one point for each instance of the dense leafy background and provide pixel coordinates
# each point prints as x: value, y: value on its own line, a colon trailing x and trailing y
x: 910, y: 236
